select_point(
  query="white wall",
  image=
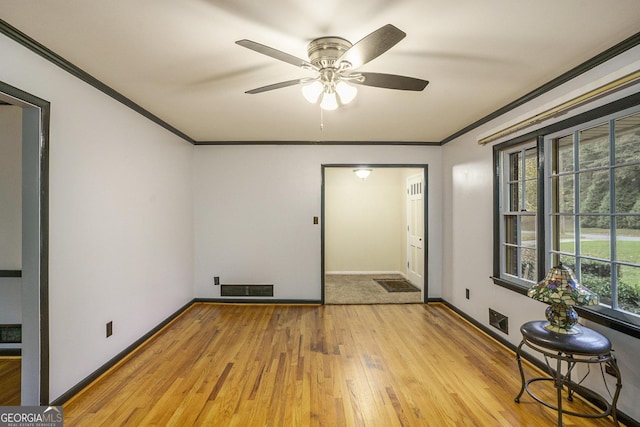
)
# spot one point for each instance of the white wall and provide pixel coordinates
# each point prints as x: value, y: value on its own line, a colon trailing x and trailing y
x: 468, y: 236
x: 254, y: 209
x: 120, y: 219
x: 365, y: 221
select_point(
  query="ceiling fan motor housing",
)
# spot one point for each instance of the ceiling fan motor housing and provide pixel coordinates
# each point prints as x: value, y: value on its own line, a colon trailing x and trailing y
x: 324, y: 51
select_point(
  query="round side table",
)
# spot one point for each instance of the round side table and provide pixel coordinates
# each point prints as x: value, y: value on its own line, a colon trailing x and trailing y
x: 587, y: 346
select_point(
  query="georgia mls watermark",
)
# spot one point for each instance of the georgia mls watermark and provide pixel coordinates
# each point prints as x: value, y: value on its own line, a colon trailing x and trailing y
x: 31, y: 416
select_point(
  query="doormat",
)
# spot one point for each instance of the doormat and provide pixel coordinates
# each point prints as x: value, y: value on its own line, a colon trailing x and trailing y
x: 397, y: 285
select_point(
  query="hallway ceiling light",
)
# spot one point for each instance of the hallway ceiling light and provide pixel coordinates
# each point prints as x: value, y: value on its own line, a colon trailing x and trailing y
x: 362, y: 173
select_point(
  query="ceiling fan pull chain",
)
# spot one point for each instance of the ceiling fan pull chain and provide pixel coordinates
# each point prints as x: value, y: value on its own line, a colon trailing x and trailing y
x: 321, y: 119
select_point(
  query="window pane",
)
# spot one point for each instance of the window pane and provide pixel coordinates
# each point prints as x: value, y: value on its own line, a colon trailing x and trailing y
x: 627, y: 182
x: 528, y: 230
x: 563, y: 193
x: 514, y: 197
x: 593, y: 147
x: 564, y: 147
x: 568, y: 261
x: 594, y: 192
x: 627, y: 240
x: 531, y: 194
x: 596, y: 276
x: 511, y: 260
x: 528, y: 265
x: 595, y: 241
x: 518, y: 200
x: 531, y: 163
x: 567, y: 235
x: 627, y: 145
x: 511, y: 229
x: 514, y: 167
x: 629, y: 288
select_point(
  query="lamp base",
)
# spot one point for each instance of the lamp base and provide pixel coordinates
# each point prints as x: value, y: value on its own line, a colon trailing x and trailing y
x: 561, y: 319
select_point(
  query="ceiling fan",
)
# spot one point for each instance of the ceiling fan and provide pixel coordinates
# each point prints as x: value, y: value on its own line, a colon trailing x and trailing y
x: 335, y: 60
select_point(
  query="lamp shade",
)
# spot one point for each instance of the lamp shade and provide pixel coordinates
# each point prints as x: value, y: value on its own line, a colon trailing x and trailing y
x: 562, y: 291
x: 560, y: 286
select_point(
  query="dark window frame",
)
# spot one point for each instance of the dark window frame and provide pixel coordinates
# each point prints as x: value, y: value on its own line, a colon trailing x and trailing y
x: 601, y: 315
x: 505, y: 207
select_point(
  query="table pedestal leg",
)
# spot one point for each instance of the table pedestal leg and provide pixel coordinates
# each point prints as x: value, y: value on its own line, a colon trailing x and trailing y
x: 559, y: 381
x: 519, y: 359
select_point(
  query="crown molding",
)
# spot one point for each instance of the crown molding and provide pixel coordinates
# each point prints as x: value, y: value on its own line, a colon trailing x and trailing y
x: 23, y: 39
x: 31, y: 44
x: 599, y: 59
x: 405, y: 143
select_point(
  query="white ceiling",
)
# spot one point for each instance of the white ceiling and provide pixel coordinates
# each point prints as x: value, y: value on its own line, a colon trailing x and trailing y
x: 178, y: 60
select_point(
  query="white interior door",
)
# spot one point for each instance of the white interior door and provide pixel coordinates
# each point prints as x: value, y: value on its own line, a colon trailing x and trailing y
x: 415, y: 230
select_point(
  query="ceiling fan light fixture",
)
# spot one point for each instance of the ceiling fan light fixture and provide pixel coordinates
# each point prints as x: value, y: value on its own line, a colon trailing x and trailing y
x: 335, y: 59
x: 312, y: 91
x: 329, y: 101
x: 346, y: 92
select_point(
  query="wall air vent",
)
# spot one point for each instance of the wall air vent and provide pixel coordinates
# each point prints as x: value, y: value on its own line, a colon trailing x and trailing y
x: 10, y: 334
x: 499, y: 321
x: 246, y: 290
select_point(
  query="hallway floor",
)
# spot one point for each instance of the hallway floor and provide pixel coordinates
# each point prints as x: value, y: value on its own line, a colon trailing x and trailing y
x: 362, y: 289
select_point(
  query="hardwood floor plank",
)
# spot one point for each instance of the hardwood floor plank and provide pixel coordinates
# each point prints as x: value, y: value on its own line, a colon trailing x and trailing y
x: 351, y: 365
x: 10, y: 378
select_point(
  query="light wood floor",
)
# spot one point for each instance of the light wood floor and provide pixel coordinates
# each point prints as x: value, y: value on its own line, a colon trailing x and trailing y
x: 333, y: 365
x: 10, y: 381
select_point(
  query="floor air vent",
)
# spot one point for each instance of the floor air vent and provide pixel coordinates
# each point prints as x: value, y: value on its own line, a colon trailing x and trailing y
x: 499, y: 321
x: 246, y: 290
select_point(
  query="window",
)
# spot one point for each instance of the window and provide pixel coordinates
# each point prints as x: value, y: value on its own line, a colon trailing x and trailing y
x: 579, y: 207
x: 519, y: 206
x: 593, y: 215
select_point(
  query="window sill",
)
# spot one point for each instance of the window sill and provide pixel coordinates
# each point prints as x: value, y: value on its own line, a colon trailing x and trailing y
x: 516, y: 287
x: 604, y: 316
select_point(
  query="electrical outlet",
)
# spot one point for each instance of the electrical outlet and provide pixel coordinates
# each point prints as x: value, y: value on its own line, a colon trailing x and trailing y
x: 109, y: 329
x: 467, y: 293
x: 216, y: 280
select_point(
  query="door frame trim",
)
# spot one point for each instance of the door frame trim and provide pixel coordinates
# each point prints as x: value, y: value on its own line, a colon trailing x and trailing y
x: 34, y: 108
x: 425, y: 202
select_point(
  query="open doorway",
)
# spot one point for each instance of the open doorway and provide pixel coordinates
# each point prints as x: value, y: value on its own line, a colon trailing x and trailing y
x: 25, y: 278
x: 374, y: 234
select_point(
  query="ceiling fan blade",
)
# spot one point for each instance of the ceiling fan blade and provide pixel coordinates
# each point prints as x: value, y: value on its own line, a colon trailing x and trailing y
x: 372, y: 46
x: 275, y: 53
x: 392, y: 81
x: 275, y: 86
